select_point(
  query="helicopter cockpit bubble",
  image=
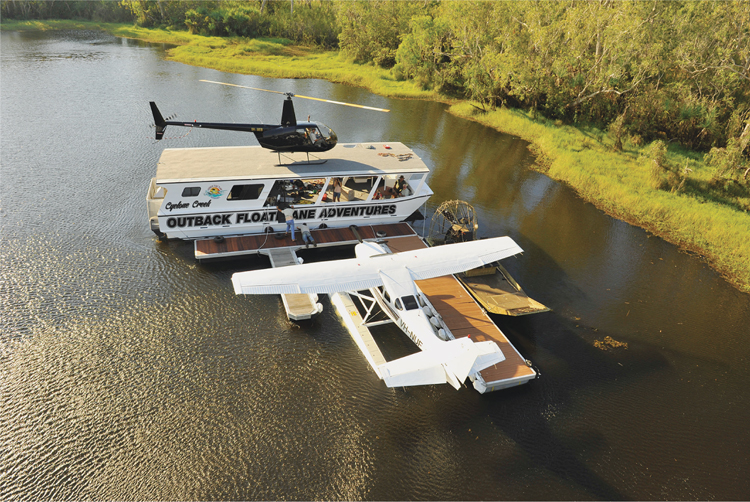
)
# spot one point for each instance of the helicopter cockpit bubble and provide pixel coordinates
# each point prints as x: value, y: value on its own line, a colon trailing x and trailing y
x: 318, y: 133
x: 327, y: 132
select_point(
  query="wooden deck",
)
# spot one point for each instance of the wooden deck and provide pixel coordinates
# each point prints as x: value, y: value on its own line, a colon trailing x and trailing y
x: 260, y: 243
x: 464, y: 317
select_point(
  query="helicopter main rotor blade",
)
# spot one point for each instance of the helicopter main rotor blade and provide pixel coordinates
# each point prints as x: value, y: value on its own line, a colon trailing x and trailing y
x: 301, y: 96
x: 342, y: 103
x: 244, y: 87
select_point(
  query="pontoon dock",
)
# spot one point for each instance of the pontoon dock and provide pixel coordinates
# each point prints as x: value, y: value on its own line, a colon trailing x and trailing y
x: 206, y: 249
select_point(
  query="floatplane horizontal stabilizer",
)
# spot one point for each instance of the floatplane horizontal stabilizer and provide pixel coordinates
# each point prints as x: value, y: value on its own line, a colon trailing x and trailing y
x: 452, y: 364
x: 390, y: 278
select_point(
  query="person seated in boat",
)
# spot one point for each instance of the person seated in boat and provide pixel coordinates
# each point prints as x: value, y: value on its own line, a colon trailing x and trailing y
x: 299, y: 187
x: 400, y: 185
x: 379, y: 192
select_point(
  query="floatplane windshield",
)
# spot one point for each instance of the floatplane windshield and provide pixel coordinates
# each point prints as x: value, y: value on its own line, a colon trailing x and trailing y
x: 390, y: 278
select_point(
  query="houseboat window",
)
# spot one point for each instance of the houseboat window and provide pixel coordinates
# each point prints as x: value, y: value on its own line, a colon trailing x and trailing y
x: 191, y: 192
x: 402, y: 187
x: 298, y: 191
x: 353, y: 188
x: 245, y: 192
x: 410, y: 303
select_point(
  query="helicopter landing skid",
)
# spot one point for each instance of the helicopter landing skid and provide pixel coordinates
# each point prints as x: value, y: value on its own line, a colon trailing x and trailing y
x: 308, y: 162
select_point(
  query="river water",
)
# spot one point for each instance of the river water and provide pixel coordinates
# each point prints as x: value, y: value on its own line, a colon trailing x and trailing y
x: 130, y: 371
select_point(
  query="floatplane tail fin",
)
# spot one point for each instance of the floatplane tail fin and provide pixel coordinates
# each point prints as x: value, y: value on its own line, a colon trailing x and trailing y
x: 451, y: 363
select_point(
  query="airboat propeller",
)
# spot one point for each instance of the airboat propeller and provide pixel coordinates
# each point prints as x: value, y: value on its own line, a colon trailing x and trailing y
x: 288, y: 136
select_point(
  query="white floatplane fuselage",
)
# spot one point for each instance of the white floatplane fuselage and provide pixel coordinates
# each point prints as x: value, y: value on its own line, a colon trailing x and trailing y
x: 207, y: 192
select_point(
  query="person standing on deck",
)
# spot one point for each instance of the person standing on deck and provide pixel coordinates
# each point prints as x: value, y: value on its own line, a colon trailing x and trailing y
x: 288, y: 213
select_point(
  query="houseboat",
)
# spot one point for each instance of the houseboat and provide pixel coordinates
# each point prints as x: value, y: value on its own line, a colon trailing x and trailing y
x: 200, y: 193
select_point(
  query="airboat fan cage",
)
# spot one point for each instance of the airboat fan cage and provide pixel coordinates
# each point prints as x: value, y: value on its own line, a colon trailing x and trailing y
x: 453, y: 221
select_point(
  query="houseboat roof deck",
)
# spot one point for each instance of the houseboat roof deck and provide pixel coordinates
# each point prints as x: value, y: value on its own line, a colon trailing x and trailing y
x: 254, y: 162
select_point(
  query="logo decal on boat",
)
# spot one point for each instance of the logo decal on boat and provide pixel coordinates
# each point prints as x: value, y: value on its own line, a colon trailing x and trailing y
x: 214, y: 191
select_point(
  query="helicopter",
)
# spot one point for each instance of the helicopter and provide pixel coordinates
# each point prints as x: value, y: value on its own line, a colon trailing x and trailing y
x: 288, y: 136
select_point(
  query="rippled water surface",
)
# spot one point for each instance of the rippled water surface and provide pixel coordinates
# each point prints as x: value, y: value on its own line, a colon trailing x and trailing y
x: 130, y: 371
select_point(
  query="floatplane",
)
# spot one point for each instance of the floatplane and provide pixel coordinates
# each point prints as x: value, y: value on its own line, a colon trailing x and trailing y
x: 390, y: 279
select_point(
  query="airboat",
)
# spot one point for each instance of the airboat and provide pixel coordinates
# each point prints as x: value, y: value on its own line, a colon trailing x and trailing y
x: 491, y: 285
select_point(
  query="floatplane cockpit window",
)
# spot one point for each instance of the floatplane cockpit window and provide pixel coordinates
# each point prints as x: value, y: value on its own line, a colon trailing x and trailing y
x: 245, y: 192
x: 410, y: 303
x: 295, y: 191
x: 191, y: 191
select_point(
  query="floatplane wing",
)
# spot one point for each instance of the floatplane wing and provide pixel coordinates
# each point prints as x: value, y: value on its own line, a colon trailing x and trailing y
x: 365, y: 272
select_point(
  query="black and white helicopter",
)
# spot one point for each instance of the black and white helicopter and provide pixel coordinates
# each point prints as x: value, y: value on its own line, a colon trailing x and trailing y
x: 288, y: 136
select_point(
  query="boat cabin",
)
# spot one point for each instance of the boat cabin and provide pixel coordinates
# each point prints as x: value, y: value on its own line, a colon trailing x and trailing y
x: 208, y: 192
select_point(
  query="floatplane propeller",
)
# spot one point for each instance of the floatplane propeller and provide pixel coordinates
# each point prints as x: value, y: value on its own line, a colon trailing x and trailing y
x: 288, y: 136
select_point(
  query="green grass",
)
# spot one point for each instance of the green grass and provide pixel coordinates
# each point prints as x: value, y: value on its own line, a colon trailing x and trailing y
x: 619, y: 184
x: 48, y: 25
x: 712, y: 222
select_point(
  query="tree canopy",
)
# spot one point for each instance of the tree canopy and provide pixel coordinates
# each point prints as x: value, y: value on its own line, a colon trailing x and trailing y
x: 651, y: 70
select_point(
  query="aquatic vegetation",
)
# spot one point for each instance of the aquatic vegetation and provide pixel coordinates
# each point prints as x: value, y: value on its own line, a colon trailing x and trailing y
x: 609, y: 343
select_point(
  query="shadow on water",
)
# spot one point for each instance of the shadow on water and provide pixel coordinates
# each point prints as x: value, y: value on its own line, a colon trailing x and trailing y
x: 567, y: 363
x: 562, y: 350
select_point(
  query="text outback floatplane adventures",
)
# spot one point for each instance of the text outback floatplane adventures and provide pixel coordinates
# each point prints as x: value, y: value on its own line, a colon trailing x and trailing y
x: 229, y: 200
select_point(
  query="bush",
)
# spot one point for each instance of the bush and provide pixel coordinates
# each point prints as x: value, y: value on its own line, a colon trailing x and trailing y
x: 656, y: 154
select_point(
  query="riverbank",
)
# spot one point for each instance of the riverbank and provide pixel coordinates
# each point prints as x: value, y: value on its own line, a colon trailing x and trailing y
x: 619, y: 183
